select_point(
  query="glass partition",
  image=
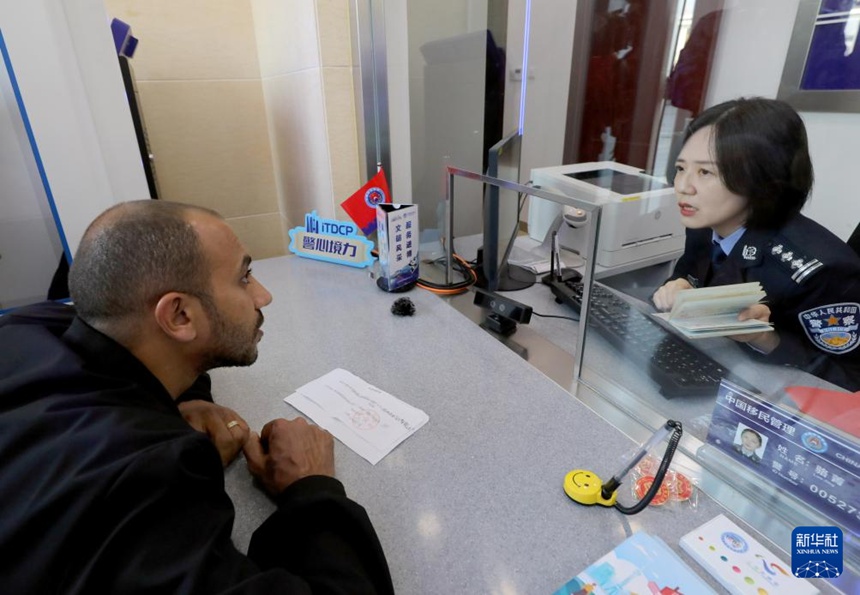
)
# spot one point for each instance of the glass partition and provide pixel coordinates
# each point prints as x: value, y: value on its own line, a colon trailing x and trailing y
x: 32, y: 250
x: 778, y: 444
x: 780, y: 428
x: 454, y: 90
x: 458, y: 63
x: 558, y: 275
x: 784, y: 438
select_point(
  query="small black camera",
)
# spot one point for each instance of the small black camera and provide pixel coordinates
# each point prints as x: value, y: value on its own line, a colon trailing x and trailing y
x: 504, y: 312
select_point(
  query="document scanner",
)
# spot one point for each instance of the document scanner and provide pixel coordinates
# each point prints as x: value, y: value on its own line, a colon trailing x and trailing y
x: 639, y: 218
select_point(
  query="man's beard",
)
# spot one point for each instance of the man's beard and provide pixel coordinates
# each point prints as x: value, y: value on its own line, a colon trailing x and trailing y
x: 234, y: 344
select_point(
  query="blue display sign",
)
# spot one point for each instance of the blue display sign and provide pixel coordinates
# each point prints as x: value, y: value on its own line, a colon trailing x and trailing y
x: 331, y: 241
x: 814, y: 464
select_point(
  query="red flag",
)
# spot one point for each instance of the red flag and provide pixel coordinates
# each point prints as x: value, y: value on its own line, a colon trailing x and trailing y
x: 361, y: 206
x: 837, y: 408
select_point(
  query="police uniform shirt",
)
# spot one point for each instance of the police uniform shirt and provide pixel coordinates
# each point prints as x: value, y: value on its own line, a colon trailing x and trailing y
x: 812, y: 281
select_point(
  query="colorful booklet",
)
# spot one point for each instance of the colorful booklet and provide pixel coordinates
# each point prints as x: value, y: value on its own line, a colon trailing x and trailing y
x: 642, y: 564
x: 739, y: 562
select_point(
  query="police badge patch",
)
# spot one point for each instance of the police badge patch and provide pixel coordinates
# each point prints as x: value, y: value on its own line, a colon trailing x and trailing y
x: 832, y: 328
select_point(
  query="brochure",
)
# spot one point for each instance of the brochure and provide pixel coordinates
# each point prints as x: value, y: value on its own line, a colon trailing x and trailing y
x: 641, y: 564
x: 739, y: 562
x: 713, y: 311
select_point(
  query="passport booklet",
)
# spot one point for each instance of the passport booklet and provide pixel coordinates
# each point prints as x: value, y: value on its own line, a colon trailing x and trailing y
x: 713, y: 311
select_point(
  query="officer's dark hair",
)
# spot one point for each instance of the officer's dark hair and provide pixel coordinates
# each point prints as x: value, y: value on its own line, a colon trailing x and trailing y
x: 762, y: 154
x: 134, y: 253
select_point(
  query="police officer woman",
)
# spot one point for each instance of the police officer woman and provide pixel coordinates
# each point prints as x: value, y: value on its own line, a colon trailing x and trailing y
x: 741, y: 178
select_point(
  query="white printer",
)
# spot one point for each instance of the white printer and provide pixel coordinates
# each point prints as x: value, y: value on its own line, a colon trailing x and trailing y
x: 639, y: 219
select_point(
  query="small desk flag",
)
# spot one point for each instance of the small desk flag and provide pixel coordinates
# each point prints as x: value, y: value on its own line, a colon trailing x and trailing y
x: 361, y: 206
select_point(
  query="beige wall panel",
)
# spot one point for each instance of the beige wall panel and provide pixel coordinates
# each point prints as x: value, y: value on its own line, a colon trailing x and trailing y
x: 263, y: 235
x: 334, y: 32
x: 191, y: 39
x: 342, y: 136
x: 298, y: 129
x: 211, y: 144
x: 286, y: 35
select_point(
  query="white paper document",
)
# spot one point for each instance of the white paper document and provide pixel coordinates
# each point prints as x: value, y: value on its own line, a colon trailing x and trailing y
x: 533, y: 260
x: 366, y: 419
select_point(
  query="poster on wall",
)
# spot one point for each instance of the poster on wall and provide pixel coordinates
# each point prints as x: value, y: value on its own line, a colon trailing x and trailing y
x: 822, y: 65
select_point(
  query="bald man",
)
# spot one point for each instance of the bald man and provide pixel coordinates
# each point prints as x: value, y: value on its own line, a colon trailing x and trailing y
x: 106, y: 486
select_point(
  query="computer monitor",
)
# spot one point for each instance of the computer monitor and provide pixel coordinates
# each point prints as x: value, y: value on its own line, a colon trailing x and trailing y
x: 501, y: 219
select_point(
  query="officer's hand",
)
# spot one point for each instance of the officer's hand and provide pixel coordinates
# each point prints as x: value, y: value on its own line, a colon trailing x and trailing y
x: 287, y: 451
x: 664, y: 298
x: 763, y: 342
x: 226, y: 428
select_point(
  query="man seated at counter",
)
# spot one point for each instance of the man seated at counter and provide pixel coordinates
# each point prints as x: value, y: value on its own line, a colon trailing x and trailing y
x: 104, y: 487
x: 742, y: 177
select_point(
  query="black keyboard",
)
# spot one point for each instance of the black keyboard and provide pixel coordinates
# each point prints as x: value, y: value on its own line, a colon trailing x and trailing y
x: 677, y: 366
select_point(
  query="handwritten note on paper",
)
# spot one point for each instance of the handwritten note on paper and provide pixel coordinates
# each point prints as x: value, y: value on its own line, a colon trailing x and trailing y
x: 366, y: 419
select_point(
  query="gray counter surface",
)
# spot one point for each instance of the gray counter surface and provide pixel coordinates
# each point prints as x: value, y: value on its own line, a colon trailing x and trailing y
x: 472, y: 502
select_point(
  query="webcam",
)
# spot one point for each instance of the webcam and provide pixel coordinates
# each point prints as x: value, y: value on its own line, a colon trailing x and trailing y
x: 504, y: 313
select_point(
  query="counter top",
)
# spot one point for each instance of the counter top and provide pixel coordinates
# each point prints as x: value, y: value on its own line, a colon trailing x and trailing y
x: 473, y: 501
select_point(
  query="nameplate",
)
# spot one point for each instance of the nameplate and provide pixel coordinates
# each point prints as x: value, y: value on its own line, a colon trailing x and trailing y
x: 796, y: 453
x: 331, y: 241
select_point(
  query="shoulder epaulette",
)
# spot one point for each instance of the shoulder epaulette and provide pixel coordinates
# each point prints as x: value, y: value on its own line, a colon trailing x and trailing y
x: 800, y: 266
